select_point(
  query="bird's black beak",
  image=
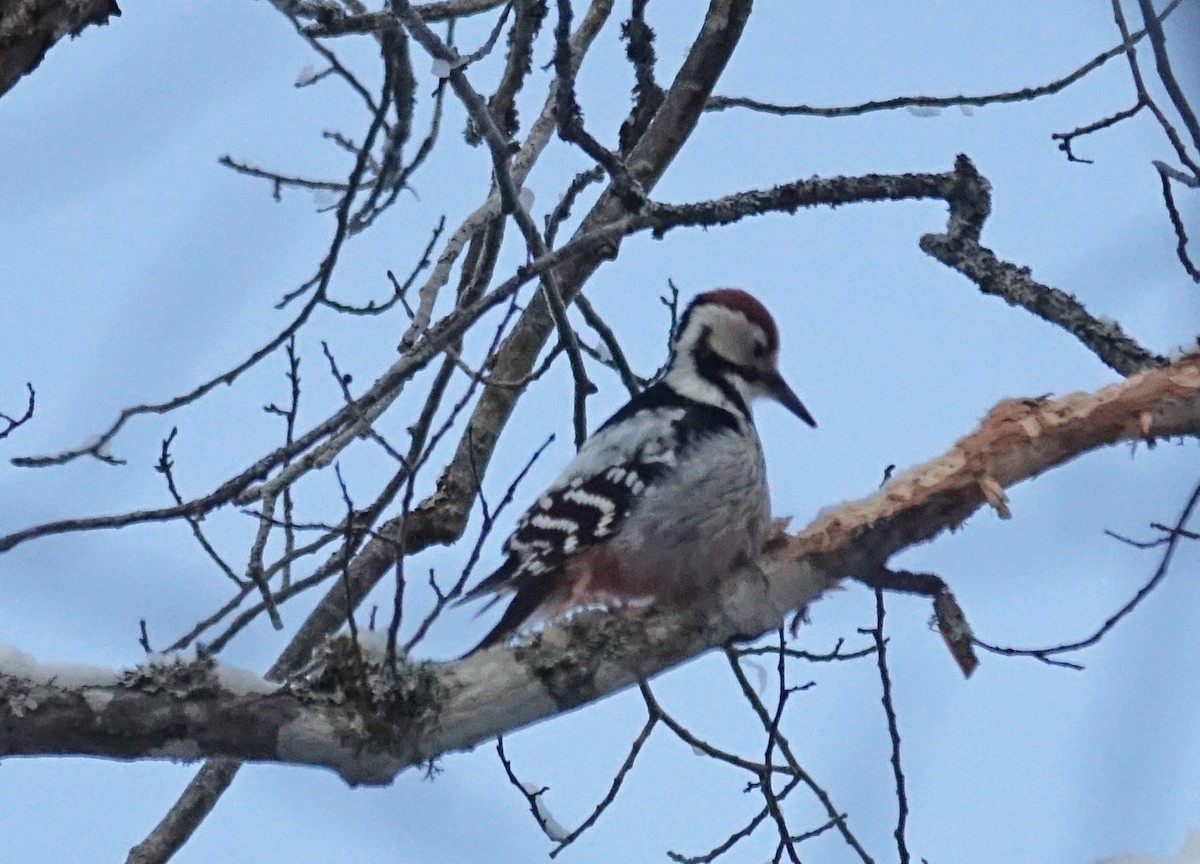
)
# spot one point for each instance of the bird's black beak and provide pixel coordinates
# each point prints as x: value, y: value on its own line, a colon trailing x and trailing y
x: 779, y: 390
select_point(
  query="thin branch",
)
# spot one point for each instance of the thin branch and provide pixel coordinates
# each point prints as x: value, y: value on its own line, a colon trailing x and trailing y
x: 290, y: 415
x: 1067, y: 139
x: 350, y: 542
x: 98, y: 445
x: 616, y: 356
x: 698, y: 744
x: 1047, y: 655
x: 278, y: 180
x: 562, y: 209
x: 889, y: 710
x: 626, y: 766
x: 647, y: 94
x: 532, y: 798
x: 255, y: 569
x: 778, y: 740
x: 765, y: 784
x: 1024, y: 94
x: 959, y: 248
x: 343, y: 382
x: 570, y: 117
x: 1181, y: 236
x: 343, y: 227
x: 834, y: 655
x: 165, y: 467
x: 335, y: 65
x: 11, y: 423
x: 734, y: 838
x: 393, y: 46
x: 1162, y: 61
x: 1144, y: 94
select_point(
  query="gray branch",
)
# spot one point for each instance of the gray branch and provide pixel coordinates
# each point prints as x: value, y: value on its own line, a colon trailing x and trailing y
x: 364, y: 720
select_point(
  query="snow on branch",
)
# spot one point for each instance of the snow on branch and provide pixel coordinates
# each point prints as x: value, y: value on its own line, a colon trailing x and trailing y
x: 350, y: 712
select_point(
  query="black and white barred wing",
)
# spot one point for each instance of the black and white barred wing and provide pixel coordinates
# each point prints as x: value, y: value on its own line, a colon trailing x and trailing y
x: 591, y: 498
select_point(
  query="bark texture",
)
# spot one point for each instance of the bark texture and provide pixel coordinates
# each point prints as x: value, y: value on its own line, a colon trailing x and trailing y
x: 29, y: 28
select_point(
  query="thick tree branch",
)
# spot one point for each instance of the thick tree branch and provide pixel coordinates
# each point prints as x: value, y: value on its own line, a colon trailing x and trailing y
x: 28, y: 29
x: 970, y: 203
x: 368, y: 728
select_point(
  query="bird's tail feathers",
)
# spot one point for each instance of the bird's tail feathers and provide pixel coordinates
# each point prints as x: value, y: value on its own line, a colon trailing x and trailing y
x: 528, y: 598
x: 493, y: 584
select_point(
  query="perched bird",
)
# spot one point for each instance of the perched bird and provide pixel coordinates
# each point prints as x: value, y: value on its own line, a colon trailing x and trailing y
x: 670, y: 494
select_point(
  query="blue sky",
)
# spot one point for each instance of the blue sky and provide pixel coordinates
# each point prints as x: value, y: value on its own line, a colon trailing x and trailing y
x: 135, y: 267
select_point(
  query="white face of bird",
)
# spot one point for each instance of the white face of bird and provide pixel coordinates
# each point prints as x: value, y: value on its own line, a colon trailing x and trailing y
x: 728, y: 338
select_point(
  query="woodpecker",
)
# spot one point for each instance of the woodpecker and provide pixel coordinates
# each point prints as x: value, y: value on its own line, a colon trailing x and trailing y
x: 670, y: 494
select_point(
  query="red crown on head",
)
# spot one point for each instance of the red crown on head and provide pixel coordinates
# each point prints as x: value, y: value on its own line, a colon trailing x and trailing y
x: 739, y: 300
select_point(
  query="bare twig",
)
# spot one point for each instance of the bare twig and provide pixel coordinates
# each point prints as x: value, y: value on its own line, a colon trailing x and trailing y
x: 532, y: 798
x: 393, y: 46
x: 289, y: 416
x: 562, y: 209
x: 698, y: 744
x: 626, y: 766
x: 834, y: 655
x: 278, y: 180
x: 1181, y: 236
x: 350, y: 542
x: 616, y: 356
x: 98, y: 445
x: 1067, y: 139
x: 1143, y: 94
x: 1024, y: 94
x: 734, y: 838
x: 765, y: 783
x: 165, y: 467
x: 255, y: 571
x: 11, y: 423
x: 335, y: 64
x: 785, y: 748
x: 889, y: 710
x: 1162, y: 61
x: 1048, y: 654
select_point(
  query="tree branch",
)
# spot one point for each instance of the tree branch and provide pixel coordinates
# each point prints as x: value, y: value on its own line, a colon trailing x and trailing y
x: 29, y: 28
x: 370, y: 725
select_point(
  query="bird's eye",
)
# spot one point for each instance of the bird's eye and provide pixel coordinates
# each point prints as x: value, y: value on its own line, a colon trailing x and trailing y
x: 760, y: 349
